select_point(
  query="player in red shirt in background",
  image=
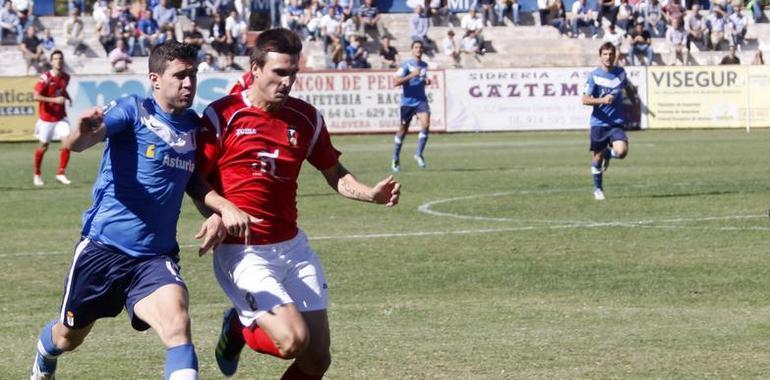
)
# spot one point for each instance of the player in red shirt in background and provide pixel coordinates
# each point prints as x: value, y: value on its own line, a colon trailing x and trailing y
x: 250, y: 149
x: 243, y: 83
x: 51, y: 92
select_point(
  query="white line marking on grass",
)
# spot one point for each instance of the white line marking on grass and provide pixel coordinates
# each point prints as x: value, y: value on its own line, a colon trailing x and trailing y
x: 667, y: 224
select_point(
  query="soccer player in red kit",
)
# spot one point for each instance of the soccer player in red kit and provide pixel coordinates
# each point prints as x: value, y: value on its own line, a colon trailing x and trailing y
x: 250, y: 149
x: 51, y: 92
x: 243, y: 83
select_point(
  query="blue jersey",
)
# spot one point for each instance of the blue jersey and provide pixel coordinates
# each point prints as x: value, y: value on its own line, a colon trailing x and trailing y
x: 414, y: 89
x: 148, y: 158
x: 601, y: 83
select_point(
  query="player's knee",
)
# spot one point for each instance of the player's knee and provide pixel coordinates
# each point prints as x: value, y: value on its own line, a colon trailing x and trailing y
x: 67, y: 339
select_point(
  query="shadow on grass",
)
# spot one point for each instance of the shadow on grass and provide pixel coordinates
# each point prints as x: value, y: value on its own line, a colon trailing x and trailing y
x: 691, y: 194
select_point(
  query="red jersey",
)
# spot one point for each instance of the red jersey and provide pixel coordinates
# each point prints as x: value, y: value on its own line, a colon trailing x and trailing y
x: 243, y: 83
x: 52, y: 86
x: 253, y: 158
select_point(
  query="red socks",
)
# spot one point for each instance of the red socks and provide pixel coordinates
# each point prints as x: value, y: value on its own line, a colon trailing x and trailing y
x: 294, y: 373
x: 258, y: 340
x: 38, y: 160
x: 64, y: 159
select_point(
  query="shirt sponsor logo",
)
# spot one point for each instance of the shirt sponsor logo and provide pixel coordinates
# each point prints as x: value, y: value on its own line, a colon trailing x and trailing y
x: 178, y: 163
x: 150, y: 153
x: 245, y: 131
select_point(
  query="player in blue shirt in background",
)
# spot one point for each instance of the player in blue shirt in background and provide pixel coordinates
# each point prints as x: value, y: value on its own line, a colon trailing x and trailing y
x: 603, y: 92
x: 128, y: 254
x: 413, y: 76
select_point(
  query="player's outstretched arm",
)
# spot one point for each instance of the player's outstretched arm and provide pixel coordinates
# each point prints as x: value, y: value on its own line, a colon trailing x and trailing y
x: 385, y: 192
x: 90, y: 130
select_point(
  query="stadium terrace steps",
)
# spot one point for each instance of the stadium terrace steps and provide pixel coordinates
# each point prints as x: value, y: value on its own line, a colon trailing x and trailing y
x: 508, y: 46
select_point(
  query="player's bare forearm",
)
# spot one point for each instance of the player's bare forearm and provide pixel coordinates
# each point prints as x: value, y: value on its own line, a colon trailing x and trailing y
x: 345, y: 183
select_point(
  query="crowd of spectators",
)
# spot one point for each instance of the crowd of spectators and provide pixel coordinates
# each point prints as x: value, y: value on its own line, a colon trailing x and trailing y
x: 351, y: 30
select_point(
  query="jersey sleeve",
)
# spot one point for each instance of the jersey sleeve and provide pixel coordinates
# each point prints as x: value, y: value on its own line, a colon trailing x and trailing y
x: 40, y: 85
x: 590, y: 85
x: 209, y: 145
x: 323, y: 154
x: 120, y: 114
x: 402, y: 71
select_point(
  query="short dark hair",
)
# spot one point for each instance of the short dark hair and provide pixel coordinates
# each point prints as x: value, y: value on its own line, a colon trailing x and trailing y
x: 607, y: 46
x: 277, y: 40
x: 57, y: 51
x: 162, y: 54
x: 416, y: 42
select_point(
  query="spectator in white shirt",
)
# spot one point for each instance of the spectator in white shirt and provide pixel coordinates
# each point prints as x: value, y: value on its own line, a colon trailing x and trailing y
x: 676, y: 38
x: 474, y: 24
x: 208, y: 64
x: 738, y: 21
x: 236, y: 28
x: 616, y: 39
x: 695, y: 26
x: 716, y: 24
x: 450, y: 48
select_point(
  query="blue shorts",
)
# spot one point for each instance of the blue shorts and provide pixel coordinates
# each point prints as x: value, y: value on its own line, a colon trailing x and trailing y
x: 103, y: 280
x: 601, y: 137
x: 408, y: 112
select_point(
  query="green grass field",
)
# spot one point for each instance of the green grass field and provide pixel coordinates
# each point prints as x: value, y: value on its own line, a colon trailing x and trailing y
x: 497, y: 263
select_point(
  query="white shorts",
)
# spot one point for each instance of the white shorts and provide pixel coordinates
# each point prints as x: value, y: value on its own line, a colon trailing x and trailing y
x: 46, y: 131
x: 259, y: 278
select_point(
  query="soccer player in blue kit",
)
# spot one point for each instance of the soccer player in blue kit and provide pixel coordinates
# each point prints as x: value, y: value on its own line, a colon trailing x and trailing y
x: 412, y: 75
x: 128, y: 256
x: 603, y: 92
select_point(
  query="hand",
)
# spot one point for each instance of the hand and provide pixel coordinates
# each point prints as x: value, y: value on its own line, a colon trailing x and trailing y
x: 387, y: 192
x: 608, y: 99
x: 91, y: 119
x: 59, y: 100
x: 238, y: 223
x: 213, y: 232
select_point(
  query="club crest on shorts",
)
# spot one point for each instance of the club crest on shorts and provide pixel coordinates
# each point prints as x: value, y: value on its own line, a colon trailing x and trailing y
x: 70, y: 318
x: 150, y: 153
x: 291, y: 133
